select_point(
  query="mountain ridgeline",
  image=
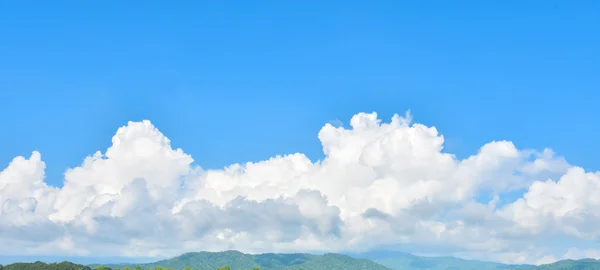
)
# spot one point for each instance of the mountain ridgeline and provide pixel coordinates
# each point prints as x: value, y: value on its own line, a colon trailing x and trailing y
x: 400, y: 260
x: 268, y: 261
x: 45, y: 266
x: 235, y: 260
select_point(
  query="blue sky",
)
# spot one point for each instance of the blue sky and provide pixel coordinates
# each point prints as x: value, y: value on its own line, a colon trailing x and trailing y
x: 247, y: 81
x: 232, y: 83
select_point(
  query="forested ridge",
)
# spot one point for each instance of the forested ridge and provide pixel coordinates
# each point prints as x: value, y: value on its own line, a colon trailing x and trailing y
x: 45, y: 266
x: 72, y: 266
x: 234, y: 260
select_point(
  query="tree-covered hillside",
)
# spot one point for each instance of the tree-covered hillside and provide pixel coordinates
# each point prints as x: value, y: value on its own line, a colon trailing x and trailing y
x: 238, y: 260
x: 44, y: 266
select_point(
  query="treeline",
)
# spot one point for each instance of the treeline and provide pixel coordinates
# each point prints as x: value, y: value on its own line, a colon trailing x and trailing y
x: 72, y: 266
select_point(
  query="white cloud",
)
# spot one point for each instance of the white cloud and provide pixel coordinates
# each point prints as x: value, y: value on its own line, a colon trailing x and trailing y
x: 381, y: 184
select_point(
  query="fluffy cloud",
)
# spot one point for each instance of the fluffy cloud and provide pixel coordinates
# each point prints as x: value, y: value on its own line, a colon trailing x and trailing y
x: 380, y: 184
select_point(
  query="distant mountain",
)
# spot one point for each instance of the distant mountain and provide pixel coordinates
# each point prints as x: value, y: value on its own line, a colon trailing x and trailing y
x: 585, y: 264
x: 269, y: 261
x: 405, y: 261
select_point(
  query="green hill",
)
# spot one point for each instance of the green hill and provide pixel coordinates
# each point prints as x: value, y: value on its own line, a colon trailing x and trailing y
x: 269, y: 261
x: 44, y: 266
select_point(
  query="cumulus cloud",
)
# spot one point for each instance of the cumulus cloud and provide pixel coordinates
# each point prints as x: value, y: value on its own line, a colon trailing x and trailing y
x: 380, y: 184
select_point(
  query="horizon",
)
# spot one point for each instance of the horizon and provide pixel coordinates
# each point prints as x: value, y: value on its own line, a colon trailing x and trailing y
x: 149, y: 129
x: 86, y: 260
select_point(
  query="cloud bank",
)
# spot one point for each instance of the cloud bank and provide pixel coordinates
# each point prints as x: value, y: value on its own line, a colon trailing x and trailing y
x: 381, y: 184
